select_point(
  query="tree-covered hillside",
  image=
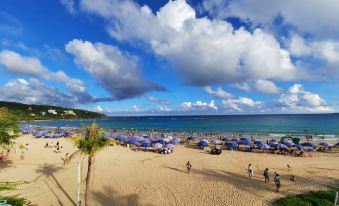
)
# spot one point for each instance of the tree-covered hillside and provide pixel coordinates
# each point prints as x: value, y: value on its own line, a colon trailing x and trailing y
x: 26, y: 112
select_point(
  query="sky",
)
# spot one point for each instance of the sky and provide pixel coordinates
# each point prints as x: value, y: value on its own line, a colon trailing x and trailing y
x: 182, y: 57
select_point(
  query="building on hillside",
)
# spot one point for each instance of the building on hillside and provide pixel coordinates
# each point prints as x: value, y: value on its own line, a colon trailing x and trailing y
x: 69, y: 112
x: 52, y: 111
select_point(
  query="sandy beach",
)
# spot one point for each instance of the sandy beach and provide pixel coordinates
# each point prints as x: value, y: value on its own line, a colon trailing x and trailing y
x: 125, y: 177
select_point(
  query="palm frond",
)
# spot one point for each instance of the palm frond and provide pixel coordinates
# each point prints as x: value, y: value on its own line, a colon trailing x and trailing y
x: 71, y: 157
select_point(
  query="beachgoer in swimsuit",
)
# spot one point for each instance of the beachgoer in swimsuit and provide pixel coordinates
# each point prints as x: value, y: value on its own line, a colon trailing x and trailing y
x: 266, y: 175
x: 189, y: 166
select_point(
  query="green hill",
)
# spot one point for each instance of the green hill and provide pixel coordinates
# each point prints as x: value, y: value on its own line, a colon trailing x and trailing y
x: 26, y: 112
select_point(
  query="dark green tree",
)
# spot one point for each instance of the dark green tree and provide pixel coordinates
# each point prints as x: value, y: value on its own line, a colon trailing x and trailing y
x: 9, y: 128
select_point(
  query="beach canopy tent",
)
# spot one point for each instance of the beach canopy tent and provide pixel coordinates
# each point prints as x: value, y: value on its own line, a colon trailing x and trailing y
x: 308, y: 144
x: 190, y: 138
x: 325, y: 144
x: 216, y: 141
x: 157, y: 146
x: 203, y: 143
x: 169, y: 146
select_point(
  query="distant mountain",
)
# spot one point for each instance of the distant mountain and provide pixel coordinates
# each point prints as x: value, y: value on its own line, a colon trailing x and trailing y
x: 27, y: 112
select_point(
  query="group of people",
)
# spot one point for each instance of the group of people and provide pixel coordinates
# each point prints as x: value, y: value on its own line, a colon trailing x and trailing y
x: 57, y: 146
x: 267, y: 176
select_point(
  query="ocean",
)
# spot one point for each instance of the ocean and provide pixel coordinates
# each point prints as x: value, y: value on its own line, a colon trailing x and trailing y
x: 270, y: 125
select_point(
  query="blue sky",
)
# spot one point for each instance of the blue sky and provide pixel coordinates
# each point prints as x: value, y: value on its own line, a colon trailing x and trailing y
x: 171, y: 57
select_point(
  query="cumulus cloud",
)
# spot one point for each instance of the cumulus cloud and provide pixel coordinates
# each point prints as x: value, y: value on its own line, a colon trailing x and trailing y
x: 18, y: 64
x: 157, y: 100
x: 241, y: 104
x: 69, y: 5
x: 99, y: 109
x: 218, y: 93
x: 33, y: 91
x: 301, y: 101
x: 117, y: 72
x: 198, y: 106
x: 260, y: 85
x: 319, y: 18
x: 190, y: 43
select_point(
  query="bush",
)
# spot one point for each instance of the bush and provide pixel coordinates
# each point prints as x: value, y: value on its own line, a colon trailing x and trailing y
x: 15, y: 201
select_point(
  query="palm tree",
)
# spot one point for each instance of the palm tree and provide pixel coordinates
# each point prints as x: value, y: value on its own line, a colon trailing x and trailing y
x: 92, y: 142
x: 9, y: 128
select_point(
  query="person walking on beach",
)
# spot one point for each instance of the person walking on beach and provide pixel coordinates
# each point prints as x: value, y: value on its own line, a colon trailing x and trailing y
x: 266, y: 175
x: 277, y: 181
x: 189, y: 166
x: 250, y: 171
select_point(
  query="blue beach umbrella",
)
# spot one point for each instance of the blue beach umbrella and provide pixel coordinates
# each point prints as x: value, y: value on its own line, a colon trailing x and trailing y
x: 336, y: 145
x: 152, y: 139
x: 264, y: 146
x: 215, y: 141
x: 225, y: 139
x: 298, y: 147
x: 48, y: 135
x: 273, y: 144
x: 282, y: 146
x: 175, y: 142
x: 205, y: 140
x: 245, y: 143
x: 325, y: 144
x: 258, y: 142
x: 160, y: 141
x: 157, y: 146
x: 167, y: 140
x: 120, y: 137
x: 308, y: 144
x: 203, y: 144
x: 232, y: 145
x: 235, y: 140
x: 132, y: 140
x: 288, y: 143
x: 169, y: 146
x: 146, y: 144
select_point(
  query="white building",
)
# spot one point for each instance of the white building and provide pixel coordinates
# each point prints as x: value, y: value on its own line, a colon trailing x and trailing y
x: 52, y: 111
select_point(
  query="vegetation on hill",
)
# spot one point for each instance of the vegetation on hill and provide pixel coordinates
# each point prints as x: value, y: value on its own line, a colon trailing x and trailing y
x: 9, y: 128
x: 26, y: 112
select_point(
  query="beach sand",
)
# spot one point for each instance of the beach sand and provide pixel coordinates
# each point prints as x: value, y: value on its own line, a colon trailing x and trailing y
x: 125, y: 177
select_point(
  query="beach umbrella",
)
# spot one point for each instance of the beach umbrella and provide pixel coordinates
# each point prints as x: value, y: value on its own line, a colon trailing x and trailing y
x: 336, y: 145
x: 203, y: 144
x: 245, y: 143
x: 120, y: 137
x: 257, y: 142
x: 235, y: 140
x: 146, y: 144
x: 140, y: 138
x: 325, y: 144
x: 205, y: 140
x: 152, y: 139
x: 167, y: 140
x: 308, y: 144
x: 169, y: 137
x: 231, y: 144
x: 244, y: 139
x: 160, y: 141
x: 145, y: 136
x: 57, y: 135
x: 264, y: 146
x: 190, y: 138
x: 48, y: 135
x: 157, y: 146
x: 288, y: 143
x: 225, y: 139
x: 67, y: 134
x: 282, y: 146
x: 131, y: 140
x: 215, y: 141
x: 273, y: 144
x: 298, y: 147
x: 169, y: 146
x: 175, y: 141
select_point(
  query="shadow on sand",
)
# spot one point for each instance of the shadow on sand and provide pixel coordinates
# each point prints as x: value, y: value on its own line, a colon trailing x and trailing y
x: 48, y: 171
x: 6, y: 164
x: 111, y: 197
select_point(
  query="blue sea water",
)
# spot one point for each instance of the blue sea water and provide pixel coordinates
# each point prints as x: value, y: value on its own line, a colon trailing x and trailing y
x: 294, y: 124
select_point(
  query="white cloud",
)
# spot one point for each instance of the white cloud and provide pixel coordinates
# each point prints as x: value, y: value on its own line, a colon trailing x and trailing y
x: 163, y: 109
x: 22, y: 65
x: 266, y: 86
x: 69, y: 5
x: 157, y: 100
x: 319, y: 18
x: 33, y: 91
x: 241, y: 104
x: 117, y: 72
x: 301, y: 101
x: 198, y: 106
x: 135, y: 108
x: 190, y: 43
x: 99, y: 109
x: 218, y: 93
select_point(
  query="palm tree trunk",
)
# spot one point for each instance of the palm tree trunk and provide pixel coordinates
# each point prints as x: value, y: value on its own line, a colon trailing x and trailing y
x: 89, y: 169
